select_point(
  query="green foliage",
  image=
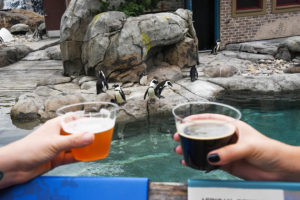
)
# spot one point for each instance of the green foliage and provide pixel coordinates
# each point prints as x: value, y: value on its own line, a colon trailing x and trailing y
x: 131, y: 7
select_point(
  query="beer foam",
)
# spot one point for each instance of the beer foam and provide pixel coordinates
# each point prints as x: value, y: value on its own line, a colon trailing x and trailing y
x: 205, y: 129
x: 92, y: 125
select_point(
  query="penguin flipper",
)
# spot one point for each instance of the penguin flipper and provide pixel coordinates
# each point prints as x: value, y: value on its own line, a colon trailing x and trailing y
x: 106, y: 85
x: 145, y: 95
x: 123, y: 95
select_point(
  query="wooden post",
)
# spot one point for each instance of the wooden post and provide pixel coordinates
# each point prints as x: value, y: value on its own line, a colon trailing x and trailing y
x: 167, y: 191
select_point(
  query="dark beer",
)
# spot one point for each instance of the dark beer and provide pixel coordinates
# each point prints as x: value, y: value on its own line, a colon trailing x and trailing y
x: 199, y: 137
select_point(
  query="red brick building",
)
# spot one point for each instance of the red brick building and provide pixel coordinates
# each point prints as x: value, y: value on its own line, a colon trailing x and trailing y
x: 234, y: 21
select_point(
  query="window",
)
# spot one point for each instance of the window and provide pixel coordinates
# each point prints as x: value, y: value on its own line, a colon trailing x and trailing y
x: 248, y: 7
x: 287, y: 2
x: 248, y: 4
x: 285, y: 5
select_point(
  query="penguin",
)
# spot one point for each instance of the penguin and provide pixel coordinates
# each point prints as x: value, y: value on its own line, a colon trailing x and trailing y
x: 194, y: 73
x: 119, y: 95
x: 101, y: 82
x: 160, y: 87
x: 151, y: 92
x: 216, y: 47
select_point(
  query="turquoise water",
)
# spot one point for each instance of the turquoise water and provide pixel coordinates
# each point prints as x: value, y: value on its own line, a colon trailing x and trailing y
x: 145, y: 149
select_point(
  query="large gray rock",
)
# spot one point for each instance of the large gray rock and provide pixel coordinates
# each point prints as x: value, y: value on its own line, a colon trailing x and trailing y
x: 260, y: 47
x: 55, y: 102
x: 247, y: 56
x: 123, y: 47
x: 74, y: 24
x: 97, y: 37
x: 261, y: 84
x: 129, y: 48
x: 289, y: 48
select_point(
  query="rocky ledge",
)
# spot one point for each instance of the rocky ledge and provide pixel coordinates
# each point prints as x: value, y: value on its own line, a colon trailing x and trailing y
x: 56, y: 90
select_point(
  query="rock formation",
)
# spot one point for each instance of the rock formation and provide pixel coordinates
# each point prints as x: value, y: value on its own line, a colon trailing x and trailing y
x: 125, y: 48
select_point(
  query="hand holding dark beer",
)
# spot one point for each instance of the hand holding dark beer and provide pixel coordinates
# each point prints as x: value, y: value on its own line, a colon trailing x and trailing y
x: 199, y: 136
x: 254, y: 156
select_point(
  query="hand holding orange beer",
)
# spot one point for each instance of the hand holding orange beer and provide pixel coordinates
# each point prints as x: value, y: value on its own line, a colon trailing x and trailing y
x: 94, y: 117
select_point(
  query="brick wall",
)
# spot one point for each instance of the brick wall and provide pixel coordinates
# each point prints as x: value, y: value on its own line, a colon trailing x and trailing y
x: 250, y: 28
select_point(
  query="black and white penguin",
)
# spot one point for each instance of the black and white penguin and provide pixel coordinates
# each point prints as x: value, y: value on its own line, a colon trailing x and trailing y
x: 151, y: 91
x: 119, y: 95
x: 194, y: 73
x: 101, y: 82
x: 161, y: 86
x: 216, y: 47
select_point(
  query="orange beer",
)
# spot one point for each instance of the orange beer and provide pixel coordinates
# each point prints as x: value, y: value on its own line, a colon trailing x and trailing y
x: 103, y: 130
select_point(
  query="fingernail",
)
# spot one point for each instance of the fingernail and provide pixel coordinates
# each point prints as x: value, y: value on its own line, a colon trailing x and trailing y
x: 88, y: 138
x: 213, y: 158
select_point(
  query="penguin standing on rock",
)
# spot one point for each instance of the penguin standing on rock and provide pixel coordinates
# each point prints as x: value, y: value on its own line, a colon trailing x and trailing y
x: 216, y: 47
x: 101, y: 82
x: 151, y: 91
x: 119, y: 95
x: 194, y: 73
x: 161, y: 86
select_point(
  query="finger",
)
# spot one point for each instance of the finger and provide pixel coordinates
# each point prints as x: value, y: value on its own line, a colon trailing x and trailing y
x: 228, y: 154
x: 176, y: 137
x: 64, y: 157
x: 75, y: 140
x: 178, y: 150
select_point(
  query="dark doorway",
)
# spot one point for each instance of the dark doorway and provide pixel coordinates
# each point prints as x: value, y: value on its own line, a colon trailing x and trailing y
x: 204, y: 22
x: 54, y: 9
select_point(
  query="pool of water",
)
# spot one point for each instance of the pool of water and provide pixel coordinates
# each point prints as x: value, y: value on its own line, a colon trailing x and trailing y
x: 145, y: 148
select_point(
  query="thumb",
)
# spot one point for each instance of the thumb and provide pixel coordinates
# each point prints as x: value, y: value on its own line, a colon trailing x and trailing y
x: 75, y: 140
x: 227, y: 154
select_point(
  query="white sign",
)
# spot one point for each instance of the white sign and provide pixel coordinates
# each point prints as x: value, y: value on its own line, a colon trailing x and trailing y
x: 219, y: 193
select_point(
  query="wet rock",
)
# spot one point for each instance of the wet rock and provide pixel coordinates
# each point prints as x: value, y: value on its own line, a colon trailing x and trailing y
x: 283, y: 53
x: 9, y: 55
x: 28, y: 107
